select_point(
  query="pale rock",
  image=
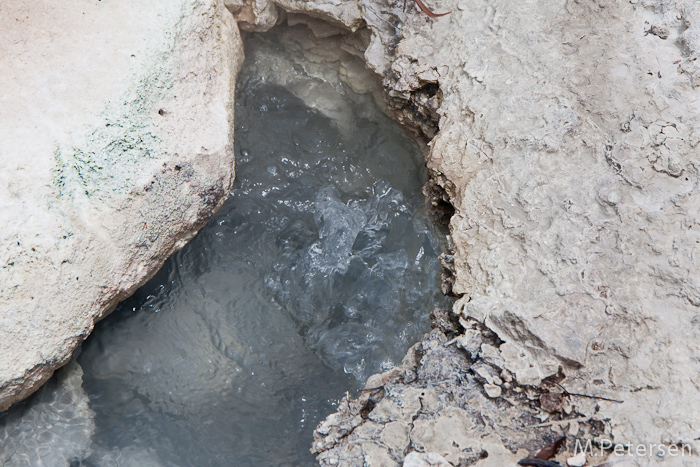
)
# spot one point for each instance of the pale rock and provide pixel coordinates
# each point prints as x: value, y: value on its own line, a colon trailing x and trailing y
x: 484, y: 373
x: 456, y: 421
x: 573, y: 428
x: 425, y: 459
x: 401, y: 405
x: 498, y: 455
x: 579, y: 460
x: 448, y: 434
x: 471, y: 341
x: 256, y: 15
x: 506, y: 376
x: 492, y: 355
x: 492, y: 390
x: 117, y: 146
x: 395, y: 436
x: 378, y: 455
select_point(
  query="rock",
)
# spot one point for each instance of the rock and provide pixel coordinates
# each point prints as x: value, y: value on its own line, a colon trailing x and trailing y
x: 448, y: 433
x: 425, y: 459
x: 253, y: 16
x: 440, y: 412
x: 116, y: 149
x: 573, y: 428
x: 470, y: 340
x: 492, y: 390
x: 566, y: 134
x: 261, y: 15
x: 579, y: 460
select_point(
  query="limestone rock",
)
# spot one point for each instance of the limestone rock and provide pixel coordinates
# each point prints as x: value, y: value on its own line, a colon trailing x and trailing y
x: 492, y: 390
x: 116, y: 149
x: 253, y: 15
x: 261, y: 15
x: 579, y: 460
x: 425, y: 459
x: 440, y: 411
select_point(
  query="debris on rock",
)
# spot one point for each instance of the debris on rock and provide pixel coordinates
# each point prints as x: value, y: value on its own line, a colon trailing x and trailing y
x: 579, y: 460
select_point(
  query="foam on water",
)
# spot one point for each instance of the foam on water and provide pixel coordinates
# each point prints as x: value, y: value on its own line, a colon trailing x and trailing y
x: 319, y: 271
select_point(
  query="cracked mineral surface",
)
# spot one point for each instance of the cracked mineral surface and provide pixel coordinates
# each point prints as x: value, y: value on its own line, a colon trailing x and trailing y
x: 565, y: 135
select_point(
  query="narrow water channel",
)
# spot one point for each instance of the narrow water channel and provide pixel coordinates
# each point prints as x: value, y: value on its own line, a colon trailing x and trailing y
x: 319, y: 271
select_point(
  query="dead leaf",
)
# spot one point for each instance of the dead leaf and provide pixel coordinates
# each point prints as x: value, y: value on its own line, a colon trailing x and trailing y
x: 551, y: 450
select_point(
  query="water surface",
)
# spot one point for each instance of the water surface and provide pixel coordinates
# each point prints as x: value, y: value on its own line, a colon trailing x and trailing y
x: 319, y: 271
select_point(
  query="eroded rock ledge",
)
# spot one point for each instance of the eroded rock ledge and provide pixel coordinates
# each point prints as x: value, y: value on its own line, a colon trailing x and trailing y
x: 116, y: 148
x: 566, y: 144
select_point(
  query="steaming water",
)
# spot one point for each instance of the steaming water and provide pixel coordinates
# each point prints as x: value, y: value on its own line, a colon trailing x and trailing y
x: 319, y: 271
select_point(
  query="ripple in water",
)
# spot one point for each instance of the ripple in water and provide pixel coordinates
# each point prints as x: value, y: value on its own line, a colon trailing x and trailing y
x: 319, y: 271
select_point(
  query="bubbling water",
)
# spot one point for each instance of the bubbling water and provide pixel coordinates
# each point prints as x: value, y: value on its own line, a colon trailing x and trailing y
x: 319, y: 271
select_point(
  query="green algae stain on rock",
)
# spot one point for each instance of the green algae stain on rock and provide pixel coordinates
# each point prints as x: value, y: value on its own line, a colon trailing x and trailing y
x: 113, y: 156
x: 120, y: 150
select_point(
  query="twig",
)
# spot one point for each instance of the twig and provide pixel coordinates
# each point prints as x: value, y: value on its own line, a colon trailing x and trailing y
x: 559, y: 422
x: 372, y: 389
x: 427, y: 11
x: 588, y: 396
x: 378, y: 16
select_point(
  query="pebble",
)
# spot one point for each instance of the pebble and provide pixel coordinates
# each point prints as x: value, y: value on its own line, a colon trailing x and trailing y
x: 425, y: 459
x: 483, y: 372
x: 579, y: 460
x: 492, y: 390
x: 573, y: 430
